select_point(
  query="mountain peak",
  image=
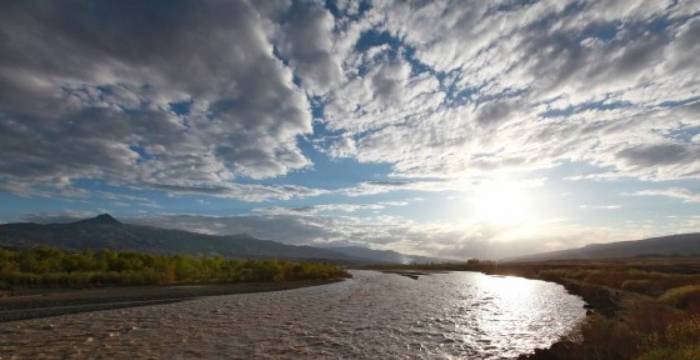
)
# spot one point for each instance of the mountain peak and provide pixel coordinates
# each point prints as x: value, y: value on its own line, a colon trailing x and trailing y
x: 102, y: 219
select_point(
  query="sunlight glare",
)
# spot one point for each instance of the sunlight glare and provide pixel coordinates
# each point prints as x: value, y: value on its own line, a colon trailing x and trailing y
x: 502, y: 202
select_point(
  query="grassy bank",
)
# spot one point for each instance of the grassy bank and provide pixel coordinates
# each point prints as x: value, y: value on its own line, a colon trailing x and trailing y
x: 48, y: 267
x: 642, y: 309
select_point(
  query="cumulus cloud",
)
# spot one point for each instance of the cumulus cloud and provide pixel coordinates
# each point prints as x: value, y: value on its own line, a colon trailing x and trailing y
x: 306, y: 39
x: 99, y: 100
x: 216, y: 98
x: 488, y: 86
x: 198, y: 95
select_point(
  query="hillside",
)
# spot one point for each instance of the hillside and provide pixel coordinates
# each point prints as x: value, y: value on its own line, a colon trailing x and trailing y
x: 672, y: 245
x: 106, y: 232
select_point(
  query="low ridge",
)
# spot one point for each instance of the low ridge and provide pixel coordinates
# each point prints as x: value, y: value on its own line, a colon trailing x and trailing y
x: 671, y: 245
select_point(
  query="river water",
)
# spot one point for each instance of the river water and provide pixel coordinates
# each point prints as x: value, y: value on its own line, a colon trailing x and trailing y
x: 372, y: 316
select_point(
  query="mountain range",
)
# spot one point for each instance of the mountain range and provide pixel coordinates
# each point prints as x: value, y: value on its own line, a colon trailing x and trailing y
x: 106, y: 232
x: 672, y: 245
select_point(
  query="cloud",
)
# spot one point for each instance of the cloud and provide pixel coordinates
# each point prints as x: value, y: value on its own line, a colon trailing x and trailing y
x: 328, y: 208
x: 220, y: 98
x: 127, y: 200
x: 473, y: 89
x: 383, y: 186
x: 306, y: 39
x: 601, y: 207
x: 673, y: 192
x: 97, y: 101
x: 447, y: 240
x: 342, y: 148
x: 656, y: 154
x: 244, y: 192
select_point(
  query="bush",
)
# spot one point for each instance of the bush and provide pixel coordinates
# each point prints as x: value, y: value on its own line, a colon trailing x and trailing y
x: 682, y: 297
x: 679, y: 341
x: 48, y: 267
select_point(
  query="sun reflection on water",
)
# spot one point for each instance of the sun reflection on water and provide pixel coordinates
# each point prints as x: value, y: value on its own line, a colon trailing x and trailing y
x: 504, y: 304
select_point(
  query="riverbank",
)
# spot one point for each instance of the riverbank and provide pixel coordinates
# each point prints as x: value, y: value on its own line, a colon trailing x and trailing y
x: 642, y: 309
x: 44, y: 281
x: 38, y: 303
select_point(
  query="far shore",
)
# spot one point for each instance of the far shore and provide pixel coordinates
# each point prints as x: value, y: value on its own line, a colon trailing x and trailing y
x: 32, y: 303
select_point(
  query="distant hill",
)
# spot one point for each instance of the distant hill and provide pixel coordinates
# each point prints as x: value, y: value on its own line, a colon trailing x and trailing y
x: 106, y: 232
x: 672, y: 245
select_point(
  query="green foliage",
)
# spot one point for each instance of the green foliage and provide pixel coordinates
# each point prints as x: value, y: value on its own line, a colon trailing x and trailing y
x: 49, y: 267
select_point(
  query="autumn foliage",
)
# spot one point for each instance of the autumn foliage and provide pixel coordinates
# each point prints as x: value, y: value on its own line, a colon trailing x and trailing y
x: 50, y: 267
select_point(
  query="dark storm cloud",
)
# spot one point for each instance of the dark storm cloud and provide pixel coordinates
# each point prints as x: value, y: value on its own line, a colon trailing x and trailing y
x: 87, y: 88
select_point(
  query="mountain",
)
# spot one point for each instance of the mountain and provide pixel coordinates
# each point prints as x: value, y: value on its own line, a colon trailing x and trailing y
x: 106, y: 232
x: 104, y: 219
x: 672, y: 245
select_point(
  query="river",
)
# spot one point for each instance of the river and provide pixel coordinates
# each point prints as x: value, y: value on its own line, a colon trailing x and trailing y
x: 372, y: 316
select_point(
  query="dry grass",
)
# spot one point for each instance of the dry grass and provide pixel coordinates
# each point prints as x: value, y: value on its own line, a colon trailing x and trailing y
x: 684, y: 297
x: 657, y: 314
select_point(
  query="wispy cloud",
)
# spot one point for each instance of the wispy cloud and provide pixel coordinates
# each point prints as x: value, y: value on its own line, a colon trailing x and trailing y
x: 601, y: 207
x: 673, y: 192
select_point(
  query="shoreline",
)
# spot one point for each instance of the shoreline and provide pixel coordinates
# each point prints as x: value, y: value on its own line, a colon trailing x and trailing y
x: 597, y: 299
x: 637, y: 307
x: 42, y: 303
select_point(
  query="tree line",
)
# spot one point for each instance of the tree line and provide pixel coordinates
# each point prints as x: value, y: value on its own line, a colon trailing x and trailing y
x: 51, y: 267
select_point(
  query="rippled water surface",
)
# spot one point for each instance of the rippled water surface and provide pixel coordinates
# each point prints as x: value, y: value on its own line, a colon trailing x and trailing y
x: 374, y: 315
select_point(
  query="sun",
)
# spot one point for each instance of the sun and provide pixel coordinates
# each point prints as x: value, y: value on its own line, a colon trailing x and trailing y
x: 502, y: 202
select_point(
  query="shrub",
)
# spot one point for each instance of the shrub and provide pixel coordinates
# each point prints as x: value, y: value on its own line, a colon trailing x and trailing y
x: 682, y: 297
x: 47, y: 267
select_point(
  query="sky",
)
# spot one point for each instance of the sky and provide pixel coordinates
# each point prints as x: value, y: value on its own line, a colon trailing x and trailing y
x: 454, y: 129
